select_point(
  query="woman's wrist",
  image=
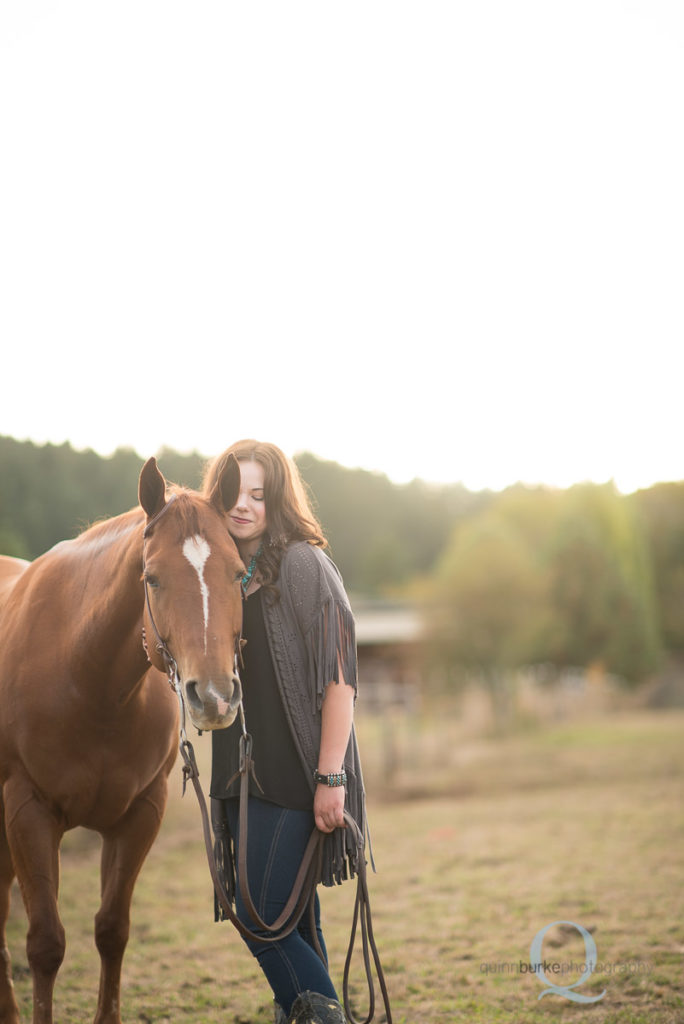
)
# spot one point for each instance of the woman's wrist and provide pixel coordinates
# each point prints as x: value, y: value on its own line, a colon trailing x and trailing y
x: 331, y: 779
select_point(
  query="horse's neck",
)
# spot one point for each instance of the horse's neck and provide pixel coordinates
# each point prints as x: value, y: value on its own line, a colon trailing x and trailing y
x: 106, y: 562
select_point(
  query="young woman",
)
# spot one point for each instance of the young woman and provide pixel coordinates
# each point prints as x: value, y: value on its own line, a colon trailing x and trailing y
x: 299, y: 683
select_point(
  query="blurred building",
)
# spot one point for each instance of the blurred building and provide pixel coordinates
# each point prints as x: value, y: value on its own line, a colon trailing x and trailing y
x: 388, y: 637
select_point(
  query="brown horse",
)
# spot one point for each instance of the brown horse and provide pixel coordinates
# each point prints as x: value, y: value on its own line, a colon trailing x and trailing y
x: 88, y: 730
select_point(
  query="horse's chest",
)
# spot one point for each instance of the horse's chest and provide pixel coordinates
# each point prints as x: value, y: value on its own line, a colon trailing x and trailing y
x: 103, y: 776
x: 102, y: 793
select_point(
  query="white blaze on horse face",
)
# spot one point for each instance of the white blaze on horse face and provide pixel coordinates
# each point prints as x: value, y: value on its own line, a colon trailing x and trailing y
x: 196, y: 550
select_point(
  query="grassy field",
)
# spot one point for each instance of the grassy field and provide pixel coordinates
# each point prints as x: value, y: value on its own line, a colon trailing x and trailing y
x: 480, y: 845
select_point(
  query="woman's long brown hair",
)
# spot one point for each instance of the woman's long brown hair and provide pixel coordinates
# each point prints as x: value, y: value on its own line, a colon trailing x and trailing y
x: 289, y: 516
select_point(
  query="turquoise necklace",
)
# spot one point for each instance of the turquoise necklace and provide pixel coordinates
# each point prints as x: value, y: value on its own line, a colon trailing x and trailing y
x: 247, y: 578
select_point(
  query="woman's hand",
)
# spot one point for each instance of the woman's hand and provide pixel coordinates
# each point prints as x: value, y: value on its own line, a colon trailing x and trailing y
x: 329, y: 807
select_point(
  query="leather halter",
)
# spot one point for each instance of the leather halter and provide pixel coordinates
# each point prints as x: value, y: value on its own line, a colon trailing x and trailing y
x: 160, y: 645
x: 304, y: 888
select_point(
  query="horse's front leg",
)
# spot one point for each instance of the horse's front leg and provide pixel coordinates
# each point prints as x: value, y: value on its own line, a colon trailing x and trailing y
x: 34, y: 833
x: 9, y: 1011
x: 123, y: 853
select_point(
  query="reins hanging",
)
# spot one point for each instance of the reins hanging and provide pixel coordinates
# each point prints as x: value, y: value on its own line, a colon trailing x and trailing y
x: 303, y: 891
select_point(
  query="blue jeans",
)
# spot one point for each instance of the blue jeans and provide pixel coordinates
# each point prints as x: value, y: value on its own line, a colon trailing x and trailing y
x: 276, y: 843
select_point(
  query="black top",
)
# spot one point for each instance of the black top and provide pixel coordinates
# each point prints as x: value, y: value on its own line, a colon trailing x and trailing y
x: 276, y: 763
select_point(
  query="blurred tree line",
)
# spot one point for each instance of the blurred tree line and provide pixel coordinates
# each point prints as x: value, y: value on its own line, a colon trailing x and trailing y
x: 577, y: 577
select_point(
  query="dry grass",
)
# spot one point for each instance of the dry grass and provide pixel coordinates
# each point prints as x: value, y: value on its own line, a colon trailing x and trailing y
x: 479, y: 845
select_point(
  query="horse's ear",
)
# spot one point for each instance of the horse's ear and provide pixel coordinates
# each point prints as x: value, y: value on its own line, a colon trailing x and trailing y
x: 151, y: 488
x: 225, y: 491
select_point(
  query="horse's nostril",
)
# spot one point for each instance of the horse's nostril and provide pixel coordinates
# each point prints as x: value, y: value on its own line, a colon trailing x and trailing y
x: 215, y: 700
x: 192, y: 695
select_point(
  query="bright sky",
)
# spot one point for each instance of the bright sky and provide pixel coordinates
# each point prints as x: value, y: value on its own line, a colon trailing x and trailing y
x: 436, y: 239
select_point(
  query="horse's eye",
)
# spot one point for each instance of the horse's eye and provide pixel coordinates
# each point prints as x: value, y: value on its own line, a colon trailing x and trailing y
x: 150, y: 580
x: 239, y: 575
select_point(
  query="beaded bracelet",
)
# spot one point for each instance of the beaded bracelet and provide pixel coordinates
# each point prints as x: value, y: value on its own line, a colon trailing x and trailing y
x: 333, y: 779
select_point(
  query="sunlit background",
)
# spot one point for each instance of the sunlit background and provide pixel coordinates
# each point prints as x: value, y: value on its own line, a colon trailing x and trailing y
x: 438, y: 240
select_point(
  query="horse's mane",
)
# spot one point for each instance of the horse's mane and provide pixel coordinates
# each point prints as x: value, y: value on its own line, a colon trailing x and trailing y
x: 185, y: 513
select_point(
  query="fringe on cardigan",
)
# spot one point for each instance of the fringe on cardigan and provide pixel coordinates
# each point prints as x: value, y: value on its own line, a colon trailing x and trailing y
x: 331, y: 646
x: 341, y: 854
x: 331, y: 642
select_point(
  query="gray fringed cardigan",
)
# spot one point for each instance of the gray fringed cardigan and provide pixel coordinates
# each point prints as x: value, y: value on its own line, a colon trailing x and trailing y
x: 311, y: 633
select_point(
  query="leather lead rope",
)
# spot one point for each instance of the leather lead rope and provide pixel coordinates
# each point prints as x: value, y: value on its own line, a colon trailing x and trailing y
x: 303, y: 891
x: 304, y: 888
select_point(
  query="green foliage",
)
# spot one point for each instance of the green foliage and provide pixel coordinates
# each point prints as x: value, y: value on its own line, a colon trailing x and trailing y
x: 186, y: 470
x: 11, y: 543
x: 529, y: 575
x: 486, y: 603
x: 661, y: 509
x: 561, y: 578
x: 50, y: 493
x: 486, y: 595
x: 601, y: 594
x: 382, y: 534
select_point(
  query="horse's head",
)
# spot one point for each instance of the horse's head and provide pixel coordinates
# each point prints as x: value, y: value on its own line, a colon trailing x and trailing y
x: 192, y: 573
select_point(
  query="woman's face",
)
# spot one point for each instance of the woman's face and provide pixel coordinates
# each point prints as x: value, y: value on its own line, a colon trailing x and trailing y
x: 247, y: 518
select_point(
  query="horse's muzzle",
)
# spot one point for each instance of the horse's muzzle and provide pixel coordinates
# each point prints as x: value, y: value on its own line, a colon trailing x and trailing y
x: 213, y: 705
